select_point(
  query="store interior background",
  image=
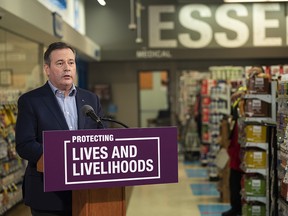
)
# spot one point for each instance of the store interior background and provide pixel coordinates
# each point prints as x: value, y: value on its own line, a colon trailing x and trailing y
x: 108, y: 51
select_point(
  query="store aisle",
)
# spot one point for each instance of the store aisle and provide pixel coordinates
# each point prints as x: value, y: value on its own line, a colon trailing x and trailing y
x: 193, y: 195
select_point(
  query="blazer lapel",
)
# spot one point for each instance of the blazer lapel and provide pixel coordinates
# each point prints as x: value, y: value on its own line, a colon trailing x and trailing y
x: 80, y: 102
x: 52, y: 104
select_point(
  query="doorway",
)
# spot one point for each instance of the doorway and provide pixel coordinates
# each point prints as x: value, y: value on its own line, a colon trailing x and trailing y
x: 154, y: 109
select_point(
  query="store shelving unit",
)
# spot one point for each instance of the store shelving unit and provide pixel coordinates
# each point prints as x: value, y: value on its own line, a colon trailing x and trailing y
x: 189, y: 90
x: 219, y: 108
x: 206, y: 119
x: 11, y: 166
x: 257, y: 170
x: 224, y: 172
x: 282, y: 146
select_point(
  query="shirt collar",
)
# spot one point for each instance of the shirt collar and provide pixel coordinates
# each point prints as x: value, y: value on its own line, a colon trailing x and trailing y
x: 72, y: 91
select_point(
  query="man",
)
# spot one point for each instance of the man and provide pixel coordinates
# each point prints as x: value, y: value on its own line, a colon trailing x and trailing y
x: 54, y: 106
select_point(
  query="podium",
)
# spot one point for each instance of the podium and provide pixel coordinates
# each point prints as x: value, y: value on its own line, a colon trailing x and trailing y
x: 99, y: 202
x: 96, y: 202
x: 97, y: 165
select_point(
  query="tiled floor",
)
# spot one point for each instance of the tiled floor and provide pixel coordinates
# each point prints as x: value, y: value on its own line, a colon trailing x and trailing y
x: 193, y: 195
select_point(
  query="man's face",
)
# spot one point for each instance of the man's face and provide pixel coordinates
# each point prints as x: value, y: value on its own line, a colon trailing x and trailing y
x: 62, y: 69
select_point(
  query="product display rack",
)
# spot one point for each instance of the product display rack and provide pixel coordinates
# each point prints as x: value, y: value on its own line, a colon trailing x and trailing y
x: 219, y: 108
x: 224, y: 172
x: 257, y: 170
x: 188, y: 92
x: 272, y: 176
x: 206, y: 118
x: 192, y: 141
x: 274, y: 193
x: 282, y: 144
x: 12, y: 167
x: 224, y: 80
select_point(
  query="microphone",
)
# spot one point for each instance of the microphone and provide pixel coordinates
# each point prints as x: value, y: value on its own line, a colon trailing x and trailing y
x: 87, y: 110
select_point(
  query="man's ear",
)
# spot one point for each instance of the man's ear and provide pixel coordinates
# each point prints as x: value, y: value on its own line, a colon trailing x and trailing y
x: 46, y: 69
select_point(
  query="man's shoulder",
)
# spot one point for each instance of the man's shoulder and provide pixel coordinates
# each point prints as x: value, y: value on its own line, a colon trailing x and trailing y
x: 83, y: 91
x: 35, y: 92
x: 86, y: 95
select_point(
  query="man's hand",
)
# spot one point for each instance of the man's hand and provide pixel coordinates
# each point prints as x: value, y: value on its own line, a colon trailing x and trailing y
x: 40, y: 167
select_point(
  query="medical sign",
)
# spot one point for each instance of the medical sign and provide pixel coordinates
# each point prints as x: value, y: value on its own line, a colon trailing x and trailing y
x: 86, y: 159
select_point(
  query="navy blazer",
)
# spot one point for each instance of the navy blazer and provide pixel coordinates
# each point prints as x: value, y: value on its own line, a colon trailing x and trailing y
x: 38, y: 111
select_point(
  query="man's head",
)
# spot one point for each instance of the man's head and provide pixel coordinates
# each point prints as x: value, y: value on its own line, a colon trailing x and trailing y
x: 60, y: 65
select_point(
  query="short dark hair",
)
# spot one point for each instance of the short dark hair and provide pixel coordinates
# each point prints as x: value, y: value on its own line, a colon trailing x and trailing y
x: 55, y: 46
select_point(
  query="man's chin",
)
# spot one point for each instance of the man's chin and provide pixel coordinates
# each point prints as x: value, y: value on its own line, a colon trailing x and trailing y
x: 67, y: 85
x: 68, y: 82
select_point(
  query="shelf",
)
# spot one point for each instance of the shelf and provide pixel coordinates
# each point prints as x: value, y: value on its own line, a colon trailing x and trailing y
x: 14, y: 198
x: 222, y: 96
x: 192, y: 149
x: 12, y: 178
x: 261, y: 171
x: 12, y: 167
x: 263, y: 146
x: 220, y: 111
x: 282, y: 97
x: 261, y: 199
x: 263, y: 97
x: 259, y: 120
x: 283, y: 204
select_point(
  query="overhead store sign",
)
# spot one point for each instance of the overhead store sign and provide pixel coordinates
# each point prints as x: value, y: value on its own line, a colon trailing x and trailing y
x: 226, y: 25
x: 195, y: 31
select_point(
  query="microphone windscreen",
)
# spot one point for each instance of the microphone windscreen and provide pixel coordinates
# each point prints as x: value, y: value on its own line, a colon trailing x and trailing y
x: 86, y: 109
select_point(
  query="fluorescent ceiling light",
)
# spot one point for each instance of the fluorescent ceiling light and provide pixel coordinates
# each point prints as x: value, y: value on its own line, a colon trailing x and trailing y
x: 102, y: 2
x: 230, y: 1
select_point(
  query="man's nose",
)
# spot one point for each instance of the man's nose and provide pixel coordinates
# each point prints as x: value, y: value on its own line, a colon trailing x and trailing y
x: 66, y: 65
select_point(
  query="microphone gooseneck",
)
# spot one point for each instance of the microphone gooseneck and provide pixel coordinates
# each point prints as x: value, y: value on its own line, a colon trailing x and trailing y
x: 115, y: 121
x: 87, y: 110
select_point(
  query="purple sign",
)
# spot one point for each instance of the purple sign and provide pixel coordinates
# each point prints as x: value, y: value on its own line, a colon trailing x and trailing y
x: 85, y: 159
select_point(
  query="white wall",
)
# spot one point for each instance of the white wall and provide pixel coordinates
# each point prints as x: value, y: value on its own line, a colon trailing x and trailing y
x: 153, y: 100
